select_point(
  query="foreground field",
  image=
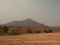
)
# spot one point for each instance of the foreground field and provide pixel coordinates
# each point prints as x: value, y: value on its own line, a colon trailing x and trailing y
x: 31, y: 39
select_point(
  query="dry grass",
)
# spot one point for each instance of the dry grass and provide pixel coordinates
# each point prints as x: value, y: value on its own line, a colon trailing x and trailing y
x: 31, y: 39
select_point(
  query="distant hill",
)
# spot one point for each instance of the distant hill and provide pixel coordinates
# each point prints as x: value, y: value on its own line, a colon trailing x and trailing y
x: 24, y: 25
x: 27, y: 22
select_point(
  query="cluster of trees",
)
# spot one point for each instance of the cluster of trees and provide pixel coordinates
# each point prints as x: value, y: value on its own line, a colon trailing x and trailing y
x: 4, y: 31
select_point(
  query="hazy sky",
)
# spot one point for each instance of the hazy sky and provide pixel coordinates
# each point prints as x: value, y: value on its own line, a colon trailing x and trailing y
x: 43, y: 11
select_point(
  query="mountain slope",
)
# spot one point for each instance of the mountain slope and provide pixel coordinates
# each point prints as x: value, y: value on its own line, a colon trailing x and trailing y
x: 27, y: 22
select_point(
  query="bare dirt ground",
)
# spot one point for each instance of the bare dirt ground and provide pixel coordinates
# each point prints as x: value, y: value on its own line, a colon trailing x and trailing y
x: 31, y: 39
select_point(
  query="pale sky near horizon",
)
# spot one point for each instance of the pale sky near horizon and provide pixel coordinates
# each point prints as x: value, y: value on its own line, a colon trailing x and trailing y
x: 43, y: 11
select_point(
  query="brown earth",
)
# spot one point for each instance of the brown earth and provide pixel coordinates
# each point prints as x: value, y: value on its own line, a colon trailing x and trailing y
x: 31, y: 39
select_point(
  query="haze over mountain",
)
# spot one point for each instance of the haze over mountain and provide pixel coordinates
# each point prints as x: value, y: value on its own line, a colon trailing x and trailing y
x: 44, y: 11
x: 27, y: 22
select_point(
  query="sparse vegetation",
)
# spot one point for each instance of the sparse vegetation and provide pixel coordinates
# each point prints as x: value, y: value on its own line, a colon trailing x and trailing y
x: 29, y: 31
x: 5, y: 29
x: 1, y: 26
x: 38, y: 31
x: 45, y: 31
x: 48, y: 31
x: 14, y: 32
x: 19, y: 27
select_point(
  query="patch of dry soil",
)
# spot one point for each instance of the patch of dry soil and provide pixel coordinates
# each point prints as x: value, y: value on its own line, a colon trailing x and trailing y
x: 31, y: 39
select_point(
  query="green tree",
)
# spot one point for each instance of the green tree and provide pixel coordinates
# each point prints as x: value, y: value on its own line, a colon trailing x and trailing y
x: 5, y: 29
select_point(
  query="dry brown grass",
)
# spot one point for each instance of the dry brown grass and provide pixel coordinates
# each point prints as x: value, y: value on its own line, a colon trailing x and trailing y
x: 31, y: 39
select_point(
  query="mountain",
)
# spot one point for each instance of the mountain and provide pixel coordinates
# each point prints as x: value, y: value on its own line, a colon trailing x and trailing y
x: 27, y: 22
x: 34, y: 26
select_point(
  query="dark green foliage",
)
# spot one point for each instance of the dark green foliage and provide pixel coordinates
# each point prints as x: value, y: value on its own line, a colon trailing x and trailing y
x: 14, y: 32
x: 29, y: 31
x: 38, y: 31
x: 5, y: 29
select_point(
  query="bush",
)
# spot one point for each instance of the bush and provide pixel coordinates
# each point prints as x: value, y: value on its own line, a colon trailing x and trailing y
x: 5, y: 29
x: 45, y: 31
x: 50, y: 31
x: 38, y: 31
x: 19, y: 27
x: 1, y: 27
x: 14, y: 32
x: 29, y: 31
x: 1, y: 30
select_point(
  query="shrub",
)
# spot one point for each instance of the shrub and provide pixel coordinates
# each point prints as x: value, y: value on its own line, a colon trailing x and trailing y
x: 19, y: 27
x: 38, y: 31
x: 14, y: 32
x: 45, y: 31
x: 50, y: 31
x: 1, y: 27
x: 5, y: 29
x: 29, y: 31
x: 1, y: 30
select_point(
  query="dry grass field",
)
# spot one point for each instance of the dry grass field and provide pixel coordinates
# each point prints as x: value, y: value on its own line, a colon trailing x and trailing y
x: 31, y: 39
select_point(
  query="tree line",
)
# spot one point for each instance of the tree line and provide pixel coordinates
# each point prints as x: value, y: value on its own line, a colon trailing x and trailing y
x: 4, y: 31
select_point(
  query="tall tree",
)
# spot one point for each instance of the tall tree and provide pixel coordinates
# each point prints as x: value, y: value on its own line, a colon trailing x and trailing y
x: 5, y: 29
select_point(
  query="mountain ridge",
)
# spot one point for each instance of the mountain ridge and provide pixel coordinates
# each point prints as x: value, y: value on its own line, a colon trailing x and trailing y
x: 26, y: 22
